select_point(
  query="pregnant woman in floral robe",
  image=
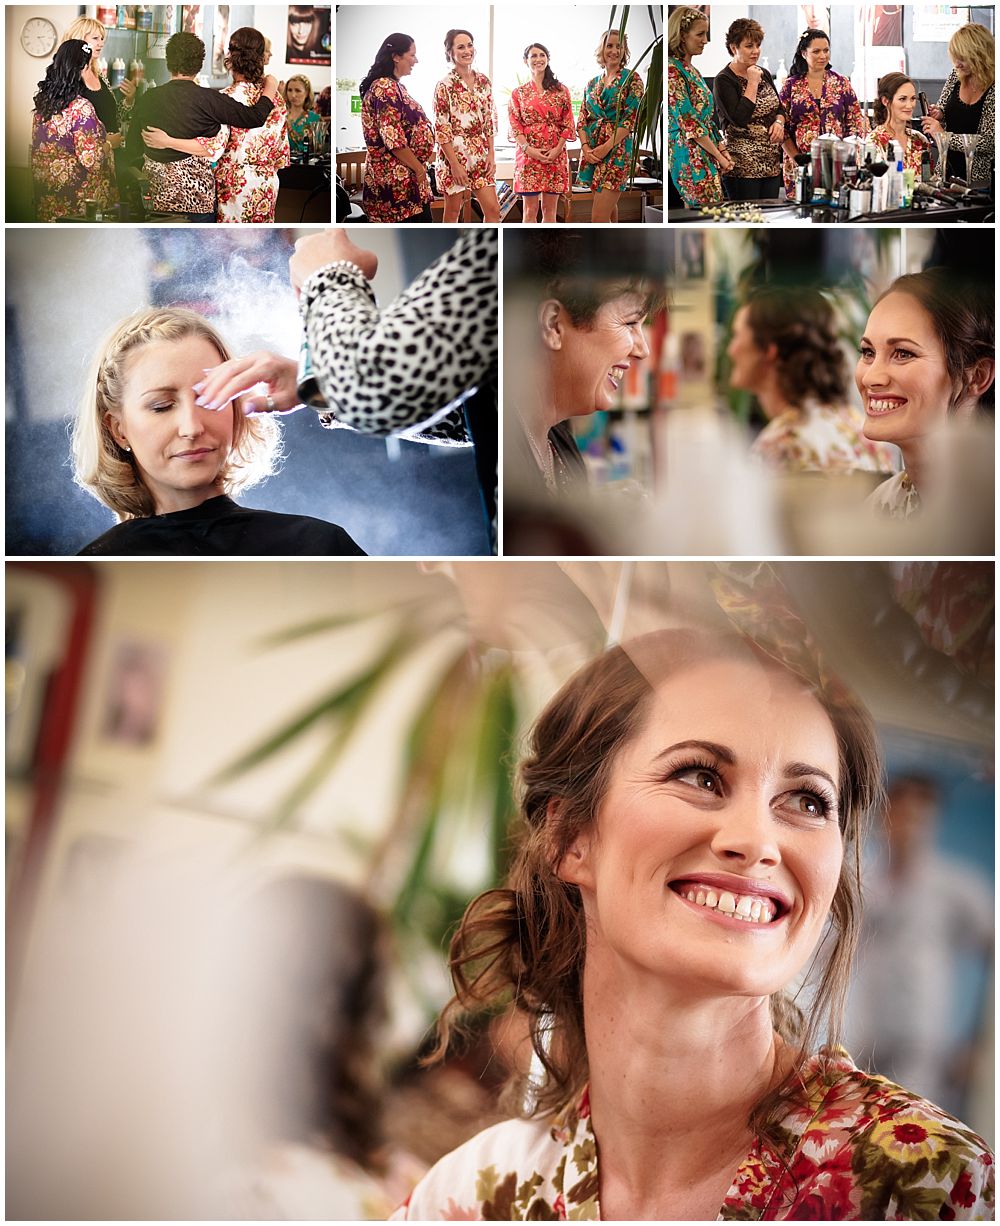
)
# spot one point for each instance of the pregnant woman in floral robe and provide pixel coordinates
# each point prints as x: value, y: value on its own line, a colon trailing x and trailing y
x: 607, y: 118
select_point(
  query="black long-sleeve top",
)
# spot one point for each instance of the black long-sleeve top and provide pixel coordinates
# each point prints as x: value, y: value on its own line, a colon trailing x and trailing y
x: 185, y: 110
x: 733, y: 108
x: 103, y: 101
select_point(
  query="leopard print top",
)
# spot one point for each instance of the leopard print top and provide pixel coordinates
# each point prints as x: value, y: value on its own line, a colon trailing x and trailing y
x: 408, y: 369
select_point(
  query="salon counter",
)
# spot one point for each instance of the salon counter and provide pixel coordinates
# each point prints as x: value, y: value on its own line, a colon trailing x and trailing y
x: 780, y: 213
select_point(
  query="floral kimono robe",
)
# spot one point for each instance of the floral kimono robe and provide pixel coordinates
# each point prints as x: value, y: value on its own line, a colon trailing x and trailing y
x: 298, y: 132
x: 246, y: 174
x: 71, y: 162
x: 822, y: 438
x: 543, y: 120
x: 854, y: 1147
x: 466, y: 119
x: 912, y: 152
x: 836, y: 111
x: 391, y: 119
x: 606, y: 108
x: 690, y: 113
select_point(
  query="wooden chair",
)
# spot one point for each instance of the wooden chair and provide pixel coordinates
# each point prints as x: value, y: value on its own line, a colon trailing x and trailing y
x: 351, y: 171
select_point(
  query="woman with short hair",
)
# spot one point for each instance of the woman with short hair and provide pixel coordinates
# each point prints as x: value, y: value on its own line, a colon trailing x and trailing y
x: 750, y: 115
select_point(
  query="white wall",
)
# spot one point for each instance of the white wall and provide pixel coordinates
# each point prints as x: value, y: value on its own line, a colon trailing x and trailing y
x: 23, y: 72
x: 361, y: 29
x: 272, y: 21
x: 571, y: 35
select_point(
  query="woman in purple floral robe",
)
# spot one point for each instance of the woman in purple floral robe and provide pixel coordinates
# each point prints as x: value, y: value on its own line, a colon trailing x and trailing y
x: 817, y: 100
x: 71, y: 160
x: 399, y: 137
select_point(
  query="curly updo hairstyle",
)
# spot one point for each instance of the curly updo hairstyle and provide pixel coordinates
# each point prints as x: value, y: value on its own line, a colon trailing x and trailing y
x: 62, y: 82
x: 802, y: 325
x: 888, y: 87
x: 246, y: 54
x: 525, y: 944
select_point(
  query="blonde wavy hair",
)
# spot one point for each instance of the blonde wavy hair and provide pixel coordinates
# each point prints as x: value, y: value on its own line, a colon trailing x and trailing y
x: 974, y: 44
x: 84, y: 28
x: 108, y: 471
x: 599, y: 49
x: 680, y: 21
x: 310, y: 101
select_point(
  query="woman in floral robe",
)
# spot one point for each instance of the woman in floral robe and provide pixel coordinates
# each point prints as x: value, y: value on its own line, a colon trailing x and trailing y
x: 399, y: 137
x: 697, y: 158
x: 247, y: 160
x: 71, y: 160
x: 465, y: 127
x: 665, y: 895
x: 607, y: 119
x: 817, y: 101
x: 541, y: 126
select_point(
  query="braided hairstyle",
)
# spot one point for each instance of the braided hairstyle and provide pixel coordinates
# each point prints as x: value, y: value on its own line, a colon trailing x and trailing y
x: 63, y: 78
x: 680, y: 21
x: 107, y: 470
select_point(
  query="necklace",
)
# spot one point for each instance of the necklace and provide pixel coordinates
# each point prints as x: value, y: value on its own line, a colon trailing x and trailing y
x: 544, y: 457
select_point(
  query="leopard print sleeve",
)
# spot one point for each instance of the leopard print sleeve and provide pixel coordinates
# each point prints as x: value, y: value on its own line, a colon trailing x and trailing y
x: 406, y: 369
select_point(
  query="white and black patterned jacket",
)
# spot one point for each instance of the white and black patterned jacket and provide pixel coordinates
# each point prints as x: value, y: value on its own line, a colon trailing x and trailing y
x: 405, y: 370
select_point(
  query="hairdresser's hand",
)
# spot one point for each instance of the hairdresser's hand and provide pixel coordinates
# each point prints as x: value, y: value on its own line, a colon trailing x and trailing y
x: 127, y: 91
x: 318, y: 250
x: 271, y: 87
x: 223, y: 383
x: 931, y: 125
x: 156, y: 138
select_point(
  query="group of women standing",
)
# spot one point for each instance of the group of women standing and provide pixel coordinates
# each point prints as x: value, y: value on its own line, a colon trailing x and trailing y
x: 401, y: 138
x: 76, y: 131
x: 730, y: 140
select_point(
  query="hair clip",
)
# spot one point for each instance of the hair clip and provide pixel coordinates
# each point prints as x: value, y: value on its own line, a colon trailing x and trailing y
x: 88, y: 48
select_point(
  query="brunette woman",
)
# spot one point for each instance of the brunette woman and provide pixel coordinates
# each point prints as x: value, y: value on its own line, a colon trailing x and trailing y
x: 465, y: 127
x: 541, y: 126
x: 750, y: 116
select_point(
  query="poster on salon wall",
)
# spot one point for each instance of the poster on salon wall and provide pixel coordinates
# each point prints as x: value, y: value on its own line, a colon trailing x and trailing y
x: 936, y: 23
x: 193, y: 19
x: 814, y: 17
x: 874, y: 55
x: 220, y: 39
x: 308, y: 38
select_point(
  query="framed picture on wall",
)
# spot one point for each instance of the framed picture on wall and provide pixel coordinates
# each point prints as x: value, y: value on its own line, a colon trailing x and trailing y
x: 308, y: 39
x: 193, y: 19
x: 936, y: 23
x: 220, y: 37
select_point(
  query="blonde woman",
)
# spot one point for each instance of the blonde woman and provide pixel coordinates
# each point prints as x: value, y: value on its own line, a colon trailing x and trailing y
x: 300, y: 106
x: 168, y: 468
x: 968, y: 100
x: 96, y: 87
x: 607, y: 119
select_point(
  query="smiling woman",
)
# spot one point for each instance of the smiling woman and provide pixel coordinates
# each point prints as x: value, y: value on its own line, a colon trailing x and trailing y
x: 166, y: 466
x: 692, y: 812
x: 926, y: 364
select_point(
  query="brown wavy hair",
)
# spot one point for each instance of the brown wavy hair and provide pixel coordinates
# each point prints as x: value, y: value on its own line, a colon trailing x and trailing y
x: 524, y: 945
x: 962, y: 311
x: 246, y: 54
x: 888, y: 87
x: 802, y: 325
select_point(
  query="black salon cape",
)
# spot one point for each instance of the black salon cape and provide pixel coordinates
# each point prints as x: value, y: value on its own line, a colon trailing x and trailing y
x: 220, y: 527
